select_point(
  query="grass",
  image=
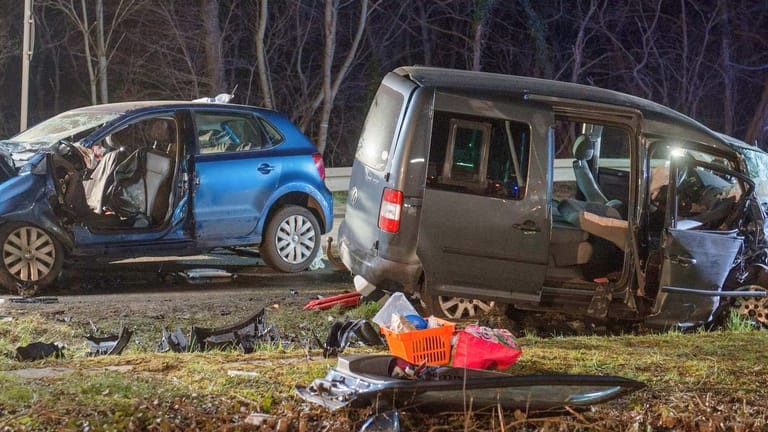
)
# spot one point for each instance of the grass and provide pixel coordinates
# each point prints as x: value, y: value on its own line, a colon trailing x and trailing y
x: 696, y: 381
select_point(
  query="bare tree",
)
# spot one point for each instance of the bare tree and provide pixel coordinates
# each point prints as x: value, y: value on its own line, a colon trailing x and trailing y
x: 99, y: 42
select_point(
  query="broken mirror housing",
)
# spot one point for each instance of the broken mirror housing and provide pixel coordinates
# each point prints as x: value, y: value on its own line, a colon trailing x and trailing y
x: 365, y: 380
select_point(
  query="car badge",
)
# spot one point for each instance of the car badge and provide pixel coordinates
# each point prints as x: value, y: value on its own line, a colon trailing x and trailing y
x: 353, y: 195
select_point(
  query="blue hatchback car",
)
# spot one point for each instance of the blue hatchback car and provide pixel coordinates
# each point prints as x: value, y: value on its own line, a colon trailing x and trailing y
x: 158, y: 178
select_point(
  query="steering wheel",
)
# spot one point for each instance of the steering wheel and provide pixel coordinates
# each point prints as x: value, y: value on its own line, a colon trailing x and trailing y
x: 70, y: 156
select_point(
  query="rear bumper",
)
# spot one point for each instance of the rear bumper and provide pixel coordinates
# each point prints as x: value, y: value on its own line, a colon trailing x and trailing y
x: 379, y: 271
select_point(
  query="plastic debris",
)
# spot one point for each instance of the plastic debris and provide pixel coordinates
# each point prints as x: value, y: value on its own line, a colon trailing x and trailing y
x: 110, y: 344
x: 175, y: 342
x: 343, y: 333
x: 39, y: 351
x: 243, y: 334
x: 346, y: 299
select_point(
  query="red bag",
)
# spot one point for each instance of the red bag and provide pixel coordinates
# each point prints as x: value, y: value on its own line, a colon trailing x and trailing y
x: 485, y: 348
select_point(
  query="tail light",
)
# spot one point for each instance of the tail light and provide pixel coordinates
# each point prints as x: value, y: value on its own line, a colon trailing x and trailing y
x: 391, y: 208
x: 318, y: 158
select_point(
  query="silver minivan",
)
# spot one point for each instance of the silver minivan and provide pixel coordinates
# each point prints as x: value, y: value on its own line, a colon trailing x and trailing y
x: 472, y: 188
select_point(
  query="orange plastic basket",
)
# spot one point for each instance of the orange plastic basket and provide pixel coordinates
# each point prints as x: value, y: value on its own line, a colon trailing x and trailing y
x: 432, y: 345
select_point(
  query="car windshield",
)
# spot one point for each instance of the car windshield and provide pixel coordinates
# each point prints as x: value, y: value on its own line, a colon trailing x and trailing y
x: 757, y: 170
x: 69, y: 125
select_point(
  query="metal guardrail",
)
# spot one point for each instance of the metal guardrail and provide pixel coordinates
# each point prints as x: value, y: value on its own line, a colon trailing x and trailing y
x: 337, y: 179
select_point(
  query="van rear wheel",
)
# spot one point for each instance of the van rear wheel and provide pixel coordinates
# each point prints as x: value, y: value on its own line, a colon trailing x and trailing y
x: 291, y: 240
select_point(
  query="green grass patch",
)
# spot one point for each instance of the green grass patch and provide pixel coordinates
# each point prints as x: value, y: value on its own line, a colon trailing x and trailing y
x: 718, y: 376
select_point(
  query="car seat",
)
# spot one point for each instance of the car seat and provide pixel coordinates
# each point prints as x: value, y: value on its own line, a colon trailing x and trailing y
x: 583, y: 151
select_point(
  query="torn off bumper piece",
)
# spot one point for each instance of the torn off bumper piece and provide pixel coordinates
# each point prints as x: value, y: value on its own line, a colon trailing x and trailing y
x: 110, y: 344
x: 360, y: 381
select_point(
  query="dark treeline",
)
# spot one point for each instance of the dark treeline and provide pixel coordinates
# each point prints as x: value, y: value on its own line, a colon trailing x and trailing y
x: 319, y: 61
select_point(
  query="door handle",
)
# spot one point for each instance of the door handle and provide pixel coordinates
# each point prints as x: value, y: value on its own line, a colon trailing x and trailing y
x: 528, y: 227
x: 682, y: 261
x: 265, y: 168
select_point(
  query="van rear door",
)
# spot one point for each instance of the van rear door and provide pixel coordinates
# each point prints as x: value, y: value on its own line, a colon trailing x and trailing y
x: 485, y: 228
x: 359, y: 233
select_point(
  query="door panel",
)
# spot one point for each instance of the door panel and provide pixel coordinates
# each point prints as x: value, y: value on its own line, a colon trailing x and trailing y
x: 235, y: 173
x: 698, y: 260
x: 230, y: 192
x: 485, y: 228
x: 700, y: 241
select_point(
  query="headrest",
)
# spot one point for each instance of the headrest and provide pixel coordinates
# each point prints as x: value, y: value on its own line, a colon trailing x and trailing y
x: 583, y: 148
x: 162, y: 131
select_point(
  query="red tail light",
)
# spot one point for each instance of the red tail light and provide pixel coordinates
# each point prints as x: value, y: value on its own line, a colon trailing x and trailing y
x: 318, y: 158
x: 391, y: 208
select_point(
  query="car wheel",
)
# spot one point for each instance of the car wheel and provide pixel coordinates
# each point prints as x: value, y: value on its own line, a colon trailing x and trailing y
x: 30, y: 256
x: 753, y: 309
x: 291, y: 240
x: 456, y: 308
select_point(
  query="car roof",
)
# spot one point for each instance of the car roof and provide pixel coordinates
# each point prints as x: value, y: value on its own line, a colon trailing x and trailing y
x: 138, y: 106
x: 660, y: 116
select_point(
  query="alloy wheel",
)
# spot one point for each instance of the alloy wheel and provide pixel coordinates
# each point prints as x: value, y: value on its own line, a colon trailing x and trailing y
x: 29, y: 254
x: 295, y: 239
x: 754, y: 309
x: 458, y: 307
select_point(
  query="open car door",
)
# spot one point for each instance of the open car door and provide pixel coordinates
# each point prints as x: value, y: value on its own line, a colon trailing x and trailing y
x: 705, y: 207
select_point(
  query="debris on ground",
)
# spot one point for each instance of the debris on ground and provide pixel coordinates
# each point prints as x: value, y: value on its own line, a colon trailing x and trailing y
x: 175, y: 342
x: 207, y: 275
x: 33, y: 300
x: 112, y: 344
x: 243, y: 334
x: 368, y: 380
x: 39, y: 350
x: 344, y: 333
x: 388, y: 421
x: 347, y: 299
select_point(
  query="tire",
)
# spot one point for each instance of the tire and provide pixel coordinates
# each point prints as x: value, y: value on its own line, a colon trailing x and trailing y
x: 30, y: 256
x: 455, y: 308
x: 291, y: 240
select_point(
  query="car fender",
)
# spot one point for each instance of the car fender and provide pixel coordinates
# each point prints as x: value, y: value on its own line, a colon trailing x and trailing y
x: 25, y: 198
x: 325, y: 201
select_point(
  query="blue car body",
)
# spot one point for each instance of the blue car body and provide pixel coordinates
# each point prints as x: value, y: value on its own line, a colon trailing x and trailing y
x: 217, y: 197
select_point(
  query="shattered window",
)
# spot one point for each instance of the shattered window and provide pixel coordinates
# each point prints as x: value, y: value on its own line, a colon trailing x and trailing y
x: 757, y: 170
x: 66, y: 125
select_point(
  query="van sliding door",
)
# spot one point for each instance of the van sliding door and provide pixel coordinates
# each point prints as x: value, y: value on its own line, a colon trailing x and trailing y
x: 484, y: 230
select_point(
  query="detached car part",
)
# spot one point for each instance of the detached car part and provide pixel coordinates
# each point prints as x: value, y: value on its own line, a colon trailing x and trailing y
x: 243, y: 334
x: 343, y: 332
x: 366, y: 380
x: 110, y: 344
x: 39, y: 351
x: 175, y: 341
x: 346, y: 299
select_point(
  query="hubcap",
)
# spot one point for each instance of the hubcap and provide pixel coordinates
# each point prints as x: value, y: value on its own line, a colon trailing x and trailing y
x: 753, y: 308
x: 295, y: 239
x: 29, y: 254
x: 458, y: 308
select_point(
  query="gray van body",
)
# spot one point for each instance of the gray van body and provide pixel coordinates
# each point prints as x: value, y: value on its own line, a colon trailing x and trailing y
x: 501, y: 248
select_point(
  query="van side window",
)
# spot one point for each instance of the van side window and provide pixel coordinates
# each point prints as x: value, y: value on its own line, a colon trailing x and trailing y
x: 480, y: 156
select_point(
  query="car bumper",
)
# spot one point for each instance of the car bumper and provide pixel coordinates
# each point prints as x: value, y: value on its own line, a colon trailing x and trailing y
x: 377, y: 270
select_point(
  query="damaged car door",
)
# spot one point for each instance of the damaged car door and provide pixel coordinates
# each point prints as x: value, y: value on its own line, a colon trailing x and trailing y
x: 705, y: 207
